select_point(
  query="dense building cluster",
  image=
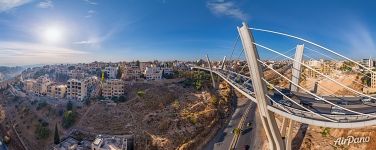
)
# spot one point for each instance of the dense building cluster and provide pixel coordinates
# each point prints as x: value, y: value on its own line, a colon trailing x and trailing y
x: 82, y: 81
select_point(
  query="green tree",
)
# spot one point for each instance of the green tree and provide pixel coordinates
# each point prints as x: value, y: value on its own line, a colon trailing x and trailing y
x: 68, y: 119
x: 119, y: 73
x: 56, y: 137
x: 42, y: 132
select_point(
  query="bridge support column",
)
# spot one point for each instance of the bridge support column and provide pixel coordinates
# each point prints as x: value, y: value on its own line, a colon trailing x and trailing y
x: 288, y: 124
x: 267, y: 117
x: 211, y: 70
x: 223, y: 63
x: 316, y: 87
x: 297, y: 67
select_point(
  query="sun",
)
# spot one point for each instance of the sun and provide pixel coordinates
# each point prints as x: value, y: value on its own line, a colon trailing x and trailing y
x: 53, y: 34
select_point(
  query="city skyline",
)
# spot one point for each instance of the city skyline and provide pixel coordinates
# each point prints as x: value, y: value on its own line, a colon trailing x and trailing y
x: 44, y: 32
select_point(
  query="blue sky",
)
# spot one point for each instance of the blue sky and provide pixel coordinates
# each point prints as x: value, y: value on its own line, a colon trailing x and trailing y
x: 117, y: 30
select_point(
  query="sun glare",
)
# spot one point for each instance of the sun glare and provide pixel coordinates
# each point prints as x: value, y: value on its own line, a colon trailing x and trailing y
x: 53, y: 34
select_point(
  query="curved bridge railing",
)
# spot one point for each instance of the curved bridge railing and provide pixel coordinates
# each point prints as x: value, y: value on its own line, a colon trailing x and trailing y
x: 304, y: 115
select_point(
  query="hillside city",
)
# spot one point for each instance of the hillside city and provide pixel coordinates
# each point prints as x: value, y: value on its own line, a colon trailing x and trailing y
x: 187, y: 75
x: 74, y: 92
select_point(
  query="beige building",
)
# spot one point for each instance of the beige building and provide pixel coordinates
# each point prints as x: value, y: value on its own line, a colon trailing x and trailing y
x: 57, y: 91
x: 76, y: 74
x: 28, y: 85
x: 81, y: 89
x: 325, y: 68
x: 143, y: 65
x: 372, y: 88
x: 112, y: 88
x: 132, y: 72
x: 40, y: 86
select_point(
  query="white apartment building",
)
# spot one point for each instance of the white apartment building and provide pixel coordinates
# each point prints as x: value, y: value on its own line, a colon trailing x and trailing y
x: 314, y: 63
x: 368, y: 62
x: 111, y: 72
x: 81, y: 89
x: 40, y: 86
x: 113, y: 88
x: 153, y: 73
x: 167, y: 70
x: 102, y: 142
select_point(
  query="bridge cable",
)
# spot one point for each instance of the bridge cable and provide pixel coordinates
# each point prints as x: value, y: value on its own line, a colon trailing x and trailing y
x: 278, y: 104
x: 234, y: 47
x: 322, y: 116
x: 334, y: 60
x: 315, y: 71
x: 315, y: 94
x: 327, y: 49
x: 336, y: 69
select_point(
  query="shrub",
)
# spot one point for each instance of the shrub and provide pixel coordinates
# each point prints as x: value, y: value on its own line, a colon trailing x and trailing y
x: 192, y: 119
x: 42, y: 132
x: 325, y: 132
x: 214, y: 100
x: 141, y: 93
x: 68, y: 119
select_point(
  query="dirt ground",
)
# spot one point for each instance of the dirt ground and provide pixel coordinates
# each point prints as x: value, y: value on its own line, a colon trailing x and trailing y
x: 327, y: 87
x: 315, y: 139
x: 167, y: 116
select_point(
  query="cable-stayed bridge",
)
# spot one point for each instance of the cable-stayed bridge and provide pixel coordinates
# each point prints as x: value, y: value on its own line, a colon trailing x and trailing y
x: 297, y: 104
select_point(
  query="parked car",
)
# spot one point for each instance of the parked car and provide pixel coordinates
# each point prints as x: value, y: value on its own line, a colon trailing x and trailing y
x: 317, y: 99
x: 368, y: 100
x: 342, y: 102
x: 337, y: 111
x: 287, y: 92
x: 305, y: 103
x: 285, y: 102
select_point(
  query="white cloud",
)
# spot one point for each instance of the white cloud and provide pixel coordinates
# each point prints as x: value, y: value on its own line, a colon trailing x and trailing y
x: 90, y: 14
x: 24, y: 52
x: 360, y: 40
x: 46, y: 4
x: 6, y: 5
x: 220, y: 7
x: 90, y: 2
x: 96, y: 41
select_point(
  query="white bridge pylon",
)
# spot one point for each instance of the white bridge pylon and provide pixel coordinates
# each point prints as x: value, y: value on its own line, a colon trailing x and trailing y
x: 318, y: 114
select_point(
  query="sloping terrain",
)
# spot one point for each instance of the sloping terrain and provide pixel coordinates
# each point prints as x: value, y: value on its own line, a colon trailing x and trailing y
x: 162, y: 116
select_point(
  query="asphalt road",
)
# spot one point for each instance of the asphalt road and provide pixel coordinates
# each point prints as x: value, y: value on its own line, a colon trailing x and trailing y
x: 223, y: 138
x: 248, y: 134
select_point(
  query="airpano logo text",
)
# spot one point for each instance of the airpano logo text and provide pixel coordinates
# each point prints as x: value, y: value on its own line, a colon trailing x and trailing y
x: 351, y: 140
